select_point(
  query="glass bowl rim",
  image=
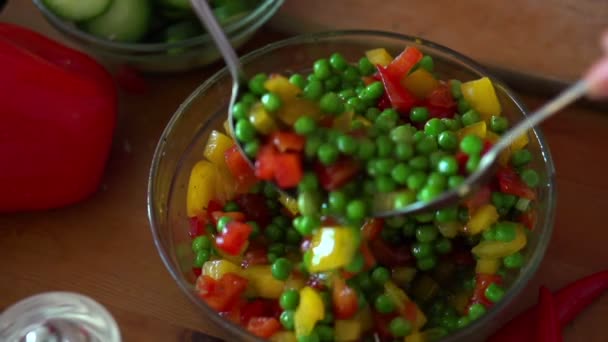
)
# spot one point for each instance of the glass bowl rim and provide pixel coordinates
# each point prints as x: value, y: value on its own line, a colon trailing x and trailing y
x: 232, y: 30
x: 513, y: 291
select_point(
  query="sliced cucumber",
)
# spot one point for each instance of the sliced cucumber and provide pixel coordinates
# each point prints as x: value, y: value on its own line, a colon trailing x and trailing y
x: 77, y: 10
x: 124, y: 21
x: 180, y: 4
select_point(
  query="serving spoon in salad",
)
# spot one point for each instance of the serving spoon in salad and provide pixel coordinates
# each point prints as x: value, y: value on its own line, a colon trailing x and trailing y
x: 383, y: 204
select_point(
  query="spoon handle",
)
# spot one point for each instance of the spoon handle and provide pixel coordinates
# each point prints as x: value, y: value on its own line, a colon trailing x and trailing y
x: 206, y: 16
x: 565, y: 98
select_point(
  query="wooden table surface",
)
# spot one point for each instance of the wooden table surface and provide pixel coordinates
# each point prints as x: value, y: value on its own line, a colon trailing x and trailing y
x: 103, y: 247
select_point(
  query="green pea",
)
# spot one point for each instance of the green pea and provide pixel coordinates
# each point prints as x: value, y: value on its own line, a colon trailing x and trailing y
x: 281, y: 268
x: 455, y: 181
x: 494, y: 293
x: 384, y: 146
x: 437, y: 180
x: 240, y: 110
x: 419, y: 163
x: 356, y: 210
x: 256, y: 84
x: 356, y: 105
x: 331, y: 103
x: 426, y: 145
x: 271, y: 102
x: 463, y: 322
x: 404, y: 198
x: 308, y: 203
x: 426, y: 264
x: 351, y: 74
x: 505, y: 231
x: 277, y: 248
x: 447, y: 140
x: 325, y: 333
x: 328, y: 154
x: 385, y: 184
x: 386, y: 121
x: 448, y: 166
x: 418, y: 136
x: 402, y: 134
x: 521, y: 157
x: 313, y: 90
x: 244, y: 130
x: 328, y: 319
x: 451, y: 124
x: 401, y: 172
x: 422, y: 250
x: 347, y: 94
x: 202, y: 256
x: 367, y: 149
x: 322, y: 69
x: 513, y: 261
x: 446, y: 215
x: 366, y: 67
x: 332, y: 83
x: 499, y: 124
x: 306, y: 224
x: 419, y: 114
x: 530, y: 177
x: 400, y: 327
x: 356, y: 264
x: 231, y: 206
x: 373, y: 91
x: 455, y: 88
x: 337, y: 201
x: 470, y: 117
x: 309, y: 182
x: 305, y: 125
x: 287, y: 319
x: 293, y: 237
x: 443, y: 246
x: 489, y: 234
x: 372, y: 114
x: 289, y: 299
x: 416, y: 180
x: 222, y: 222
x: 380, y: 275
x: 509, y: 200
x: 201, y: 242
x: 313, y: 337
x: 427, y: 63
x: 476, y: 311
x: 471, y: 145
x: 298, y: 80
x: 274, y: 233
x: 434, y: 127
x: 251, y: 148
x: 427, y: 233
x: 434, y: 159
x: 313, y: 142
x: 404, y: 151
x: 473, y: 163
x: 463, y: 105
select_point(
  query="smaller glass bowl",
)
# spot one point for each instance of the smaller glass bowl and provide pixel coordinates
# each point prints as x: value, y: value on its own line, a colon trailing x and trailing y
x: 164, y: 57
x: 186, y: 134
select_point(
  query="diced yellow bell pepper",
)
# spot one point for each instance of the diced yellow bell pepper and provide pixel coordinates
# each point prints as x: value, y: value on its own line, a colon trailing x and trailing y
x: 290, y: 203
x: 492, y: 137
x: 364, y: 315
x: 281, y: 86
x: 217, y: 268
x: 449, y: 229
x: 416, y: 336
x: 498, y: 249
x: 420, y: 82
x: 519, y: 143
x: 261, y: 119
x: 487, y: 266
x: 343, y: 122
x: 424, y: 288
x: 310, y: 310
x: 347, y: 330
x: 505, y: 155
x: 402, y: 276
x: 480, y: 94
x: 201, y: 187
x: 379, y: 56
x: 479, y: 129
x: 262, y: 283
x: 400, y: 299
x: 284, y: 336
x: 216, y: 147
x: 294, y: 283
x: 482, y: 219
x: 363, y: 120
x: 332, y: 248
x: 460, y: 301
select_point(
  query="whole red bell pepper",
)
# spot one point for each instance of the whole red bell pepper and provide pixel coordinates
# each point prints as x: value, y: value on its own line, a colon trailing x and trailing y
x: 58, y: 117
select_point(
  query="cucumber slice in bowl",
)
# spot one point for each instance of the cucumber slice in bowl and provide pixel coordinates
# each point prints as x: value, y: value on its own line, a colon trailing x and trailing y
x: 124, y: 21
x: 179, y: 4
x: 77, y: 10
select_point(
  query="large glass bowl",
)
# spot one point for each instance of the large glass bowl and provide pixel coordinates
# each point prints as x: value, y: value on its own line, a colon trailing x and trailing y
x: 164, y: 57
x: 183, y: 140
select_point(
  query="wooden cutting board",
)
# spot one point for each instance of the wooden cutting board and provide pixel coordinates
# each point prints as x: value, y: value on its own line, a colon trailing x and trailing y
x: 554, y: 39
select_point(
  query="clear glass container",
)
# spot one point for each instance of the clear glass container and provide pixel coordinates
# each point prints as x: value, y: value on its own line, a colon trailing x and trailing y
x: 162, y: 57
x: 58, y: 317
x: 184, y: 138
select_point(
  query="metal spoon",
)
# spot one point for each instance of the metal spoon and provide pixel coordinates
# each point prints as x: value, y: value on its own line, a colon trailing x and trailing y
x: 383, y: 205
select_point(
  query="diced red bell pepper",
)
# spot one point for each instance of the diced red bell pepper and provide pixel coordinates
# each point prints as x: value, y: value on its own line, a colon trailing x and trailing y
x: 482, y: 281
x: 222, y: 294
x: 59, y: 111
x: 372, y: 228
x: 345, y: 299
x: 233, y: 314
x: 381, y: 324
x: 265, y: 162
x: 481, y: 197
x: 336, y: 175
x: 401, y: 99
x: 288, y: 170
x: 460, y: 257
x: 197, y: 271
x: 213, y: 206
x: 384, y: 102
x: 402, y: 64
x: 240, y: 168
x: 257, y: 256
x: 263, y: 327
x: 233, y: 238
x: 254, y: 308
x: 254, y: 207
x: 234, y: 215
x: 197, y: 227
x: 287, y: 141
x: 528, y: 219
x: 410, y: 311
x: 487, y: 145
x: 368, y: 256
x: 390, y: 255
x: 510, y: 183
x: 442, y: 97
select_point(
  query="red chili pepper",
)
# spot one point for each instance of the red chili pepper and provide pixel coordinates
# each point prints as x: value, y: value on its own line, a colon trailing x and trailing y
x: 510, y: 183
x: 339, y: 173
x: 131, y: 80
x: 569, y: 302
x: 401, y: 99
x: 58, y: 117
x: 548, y: 329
